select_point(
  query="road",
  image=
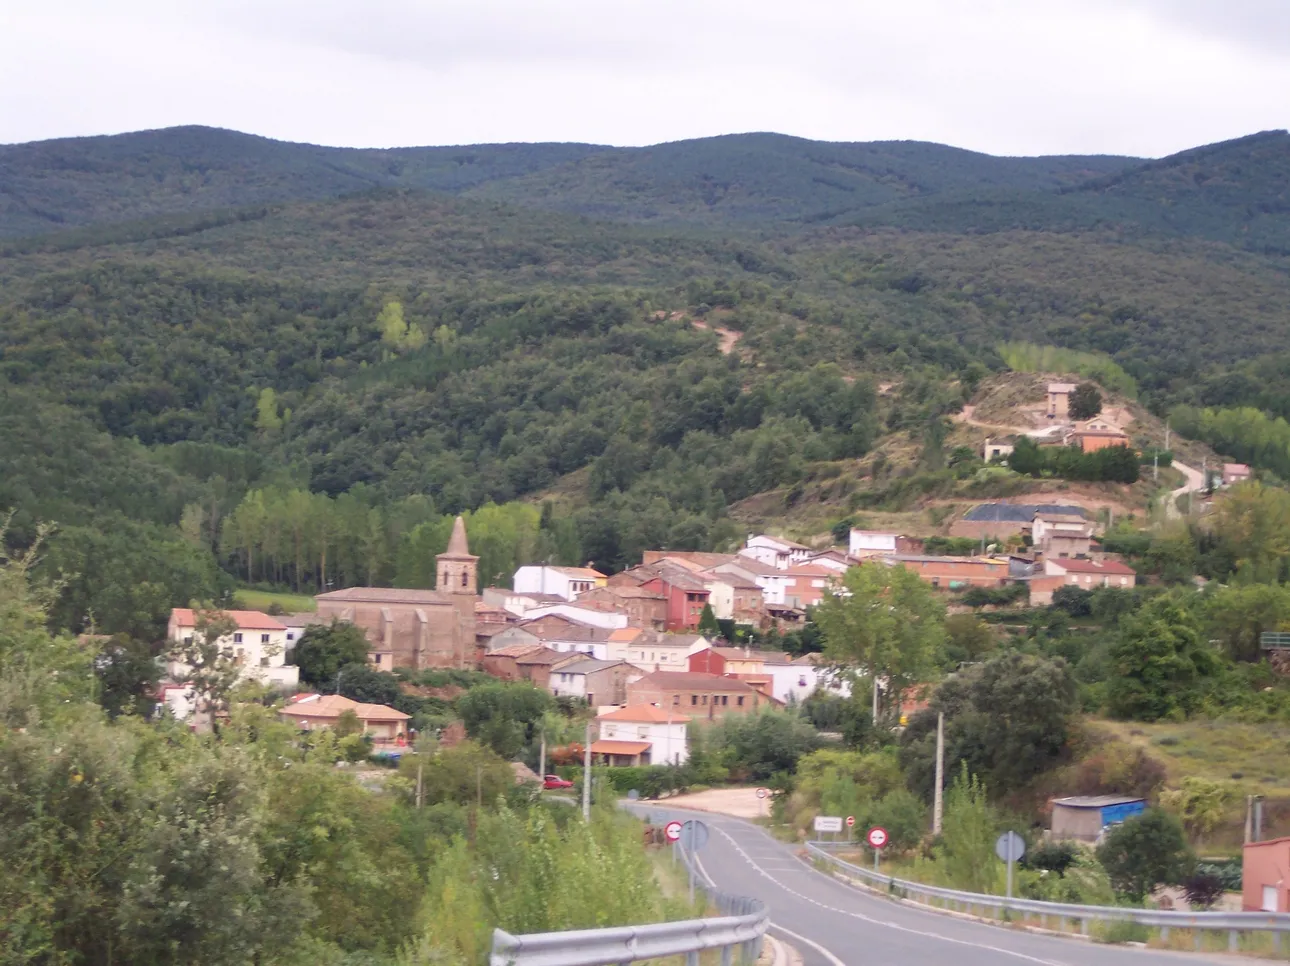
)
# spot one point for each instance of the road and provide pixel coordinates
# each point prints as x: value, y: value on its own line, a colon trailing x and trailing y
x: 1195, y: 482
x: 833, y: 924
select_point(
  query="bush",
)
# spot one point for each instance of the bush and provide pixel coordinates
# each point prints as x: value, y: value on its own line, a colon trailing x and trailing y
x: 1051, y: 857
x: 994, y: 596
x: 1202, y: 889
x: 1145, y: 851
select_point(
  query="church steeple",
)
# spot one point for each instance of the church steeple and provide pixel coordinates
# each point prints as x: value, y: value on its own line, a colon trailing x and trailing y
x: 457, y: 566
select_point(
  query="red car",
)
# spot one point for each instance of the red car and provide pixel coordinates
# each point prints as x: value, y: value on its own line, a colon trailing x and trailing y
x: 551, y: 782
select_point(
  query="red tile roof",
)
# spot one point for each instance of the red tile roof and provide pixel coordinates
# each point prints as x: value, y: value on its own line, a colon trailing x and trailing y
x: 245, y: 619
x: 645, y: 714
x: 1072, y: 566
x: 689, y: 681
x: 604, y: 746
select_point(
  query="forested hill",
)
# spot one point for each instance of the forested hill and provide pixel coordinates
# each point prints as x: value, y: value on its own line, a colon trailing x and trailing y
x: 207, y: 337
x: 747, y: 178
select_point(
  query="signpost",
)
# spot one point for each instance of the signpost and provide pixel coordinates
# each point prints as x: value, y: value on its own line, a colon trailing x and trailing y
x: 693, y: 836
x: 763, y: 796
x: 877, y: 839
x: 1010, y: 847
x: 828, y: 823
x: 851, y: 823
x: 672, y: 831
x: 763, y: 792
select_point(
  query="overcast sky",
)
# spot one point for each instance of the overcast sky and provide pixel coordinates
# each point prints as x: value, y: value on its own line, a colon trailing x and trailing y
x: 1140, y: 77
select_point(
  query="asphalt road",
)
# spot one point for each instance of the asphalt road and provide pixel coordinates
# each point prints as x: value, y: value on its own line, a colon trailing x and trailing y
x: 833, y: 924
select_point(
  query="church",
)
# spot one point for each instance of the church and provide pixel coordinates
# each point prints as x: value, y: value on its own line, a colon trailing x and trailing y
x: 417, y: 628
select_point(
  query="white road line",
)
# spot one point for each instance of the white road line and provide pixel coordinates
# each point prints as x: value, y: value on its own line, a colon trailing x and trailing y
x: 879, y: 922
x: 810, y: 942
x: 698, y: 864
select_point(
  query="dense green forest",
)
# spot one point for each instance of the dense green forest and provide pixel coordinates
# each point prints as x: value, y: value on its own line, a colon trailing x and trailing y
x: 248, y: 361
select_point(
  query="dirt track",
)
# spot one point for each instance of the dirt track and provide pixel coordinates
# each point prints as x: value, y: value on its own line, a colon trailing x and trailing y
x: 738, y: 802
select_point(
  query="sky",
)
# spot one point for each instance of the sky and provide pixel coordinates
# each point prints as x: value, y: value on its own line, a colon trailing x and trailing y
x: 1015, y: 77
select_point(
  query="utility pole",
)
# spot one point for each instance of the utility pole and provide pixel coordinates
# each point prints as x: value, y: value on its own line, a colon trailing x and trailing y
x: 874, y: 675
x: 479, y: 786
x: 1155, y: 468
x: 586, y: 776
x: 542, y: 757
x: 420, y: 787
x: 937, y: 805
x: 1166, y: 435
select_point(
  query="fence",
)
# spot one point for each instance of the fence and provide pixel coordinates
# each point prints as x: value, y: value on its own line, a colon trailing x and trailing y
x: 1059, y: 913
x: 739, y: 929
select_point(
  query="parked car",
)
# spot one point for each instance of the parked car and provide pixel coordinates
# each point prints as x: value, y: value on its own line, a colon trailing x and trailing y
x: 550, y: 782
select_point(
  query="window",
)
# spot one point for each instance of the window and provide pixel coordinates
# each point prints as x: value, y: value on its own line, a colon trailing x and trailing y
x: 739, y: 701
x: 705, y: 699
x: 264, y: 638
x: 801, y: 680
x: 291, y: 636
x: 676, y: 699
x: 264, y: 662
x: 237, y: 637
x: 463, y: 578
x: 725, y: 700
x: 694, y: 699
x: 188, y: 639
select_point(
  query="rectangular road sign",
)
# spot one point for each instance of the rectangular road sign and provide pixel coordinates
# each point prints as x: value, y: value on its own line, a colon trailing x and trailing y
x: 828, y: 823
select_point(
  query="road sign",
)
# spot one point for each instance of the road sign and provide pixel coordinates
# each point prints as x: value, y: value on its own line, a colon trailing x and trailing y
x: 877, y: 837
x: 672, y: 830
x: 851, y: 821
x: 1010, y: 846
x: 633, y: 795
x: 763, y: 792
x: 828, y: 823
x: 694, y: 836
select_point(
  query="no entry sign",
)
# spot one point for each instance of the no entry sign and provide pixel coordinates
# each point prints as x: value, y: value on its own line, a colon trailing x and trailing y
x: 851, y: 821
x: 672, y: 830
x: 877, y: 837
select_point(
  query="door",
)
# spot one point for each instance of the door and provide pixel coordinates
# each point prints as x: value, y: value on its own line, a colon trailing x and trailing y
x: 1270, y: 898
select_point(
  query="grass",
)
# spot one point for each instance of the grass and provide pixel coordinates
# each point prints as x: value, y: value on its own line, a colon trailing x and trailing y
x: 247, y: 599
x: 1254, y: 755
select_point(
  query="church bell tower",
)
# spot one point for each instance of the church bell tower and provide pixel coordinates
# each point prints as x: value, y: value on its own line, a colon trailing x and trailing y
x: 457, y: 567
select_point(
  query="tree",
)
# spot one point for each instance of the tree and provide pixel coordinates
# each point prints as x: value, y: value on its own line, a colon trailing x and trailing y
x: 1145, y: 851
x: 1236, y: 616
x: 465, y: 774
x: 1074, y: 600
x: 127, y: 672
x: 1009, y: 720
x: 969, y: 829
x: 1251, y: 524
x: 761, y: 745
x: 967, y: 640
x: 365, y: 684
x: 890, y: 623
x: 267, y: 418
x: 1160, y: 661
x: 1085, y: 401
x: 504, y: 716
x: 1203, y: 889
x: 209, y: 662
x: 708, y: 626
x: 324, y: 649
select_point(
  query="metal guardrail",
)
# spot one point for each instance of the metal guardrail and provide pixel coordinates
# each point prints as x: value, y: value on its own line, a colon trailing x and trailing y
x: 739, y: 929
x: 1233, y: 923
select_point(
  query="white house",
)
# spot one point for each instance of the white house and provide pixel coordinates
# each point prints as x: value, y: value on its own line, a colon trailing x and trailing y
x: 796, y: 679
x: 599, y: 682
x: 583, y: 615
x: 566, y: 582
x: 662, y: 731
x: 834, y: 560
x: 653, y: 651
x: 871, y: 543
x: 775, y: 551
x: 257, y: 645
x: 773, y: 581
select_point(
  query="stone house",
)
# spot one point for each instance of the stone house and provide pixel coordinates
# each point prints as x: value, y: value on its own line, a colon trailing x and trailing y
x: 694, y: 694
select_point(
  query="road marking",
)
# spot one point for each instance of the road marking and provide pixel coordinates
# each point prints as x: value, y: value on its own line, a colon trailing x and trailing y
x: 878, y: 922
x: 698, y: 864
x: 810, y: 942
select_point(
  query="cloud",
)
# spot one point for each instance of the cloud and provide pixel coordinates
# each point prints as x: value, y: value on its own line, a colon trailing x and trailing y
x: 1142, y: 77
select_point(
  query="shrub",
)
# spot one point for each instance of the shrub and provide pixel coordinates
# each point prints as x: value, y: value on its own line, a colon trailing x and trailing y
x: 1145, y: 851
x: 1203, y: 889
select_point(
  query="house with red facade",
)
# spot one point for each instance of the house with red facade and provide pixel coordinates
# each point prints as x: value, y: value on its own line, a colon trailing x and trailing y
x: 683, y: 593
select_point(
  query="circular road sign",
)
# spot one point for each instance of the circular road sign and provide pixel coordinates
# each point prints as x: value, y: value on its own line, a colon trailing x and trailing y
x: 1010, y: 847
x: 763, y: 792
x: 851, y: 821
x: 877, y: 837
x: 694, y: 836
x: 672, y: 830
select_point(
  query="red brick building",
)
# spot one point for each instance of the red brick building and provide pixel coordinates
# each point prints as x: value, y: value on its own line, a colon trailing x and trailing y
x: 954, y: 573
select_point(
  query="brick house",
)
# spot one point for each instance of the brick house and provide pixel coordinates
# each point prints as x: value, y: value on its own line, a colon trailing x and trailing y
x: 809, y: 584
x: 694, y: 694
x: 523, y: 662
x: 597, y: 682
x: 998, y: 521
x: 682, y: 591
x: 954, y: 573
x: 644, y: 606
x: 1059, y: 399
x: 311, y: 712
